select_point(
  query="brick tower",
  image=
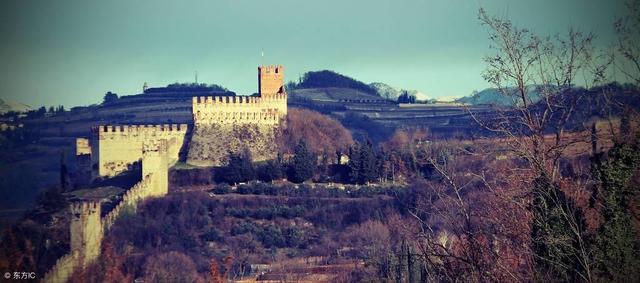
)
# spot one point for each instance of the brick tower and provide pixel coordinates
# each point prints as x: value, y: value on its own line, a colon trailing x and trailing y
x: 270, y: 80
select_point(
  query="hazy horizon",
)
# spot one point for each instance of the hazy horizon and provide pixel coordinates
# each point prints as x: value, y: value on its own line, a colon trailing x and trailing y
x: 72, y: 52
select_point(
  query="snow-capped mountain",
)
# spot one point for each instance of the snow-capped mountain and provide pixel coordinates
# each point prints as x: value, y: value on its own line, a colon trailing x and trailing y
x: 6, y: 106
x: 389, y: 92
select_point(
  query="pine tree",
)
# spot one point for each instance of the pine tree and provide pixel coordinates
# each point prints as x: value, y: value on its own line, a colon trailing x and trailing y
x: 240, y: 167
x: 617, y: 246
x: 363, y: 163
x: 354, y: 163
x: 272, y: 170
x: 303, y: 163
x: 368, y: 163
x: 552, y: 237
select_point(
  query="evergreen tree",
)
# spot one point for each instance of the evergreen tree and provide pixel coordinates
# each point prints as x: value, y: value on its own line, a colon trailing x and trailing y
x: 368, y: 163
x: 272, y: 170
x: 617, y: 247
x: 363, y: 163
x: 555, y: 234
x: 354, y: 163
x: 303, y: 163
x: 109, y: 97
x: 240, y: 167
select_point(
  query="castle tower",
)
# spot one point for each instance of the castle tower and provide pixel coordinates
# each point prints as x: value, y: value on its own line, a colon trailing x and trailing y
x: 270, y: 80
x: 86, y: 231
x: 83, y: 162
x: 155, y: 163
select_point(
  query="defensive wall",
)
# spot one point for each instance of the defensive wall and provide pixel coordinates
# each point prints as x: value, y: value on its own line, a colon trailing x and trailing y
x: 87, y: 228
x: 239, y: 110
x: 118, y: 147
x: 114, y: 148
x: 224, y: 124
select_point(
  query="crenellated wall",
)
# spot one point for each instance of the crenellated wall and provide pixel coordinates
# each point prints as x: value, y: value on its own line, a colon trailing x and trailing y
x: 63, y: 268
x: 245, y: 122
x: 120, y: 146
x: 239, y: 109
x: 87, y: 228
x: 138, y: 192
x: 224, y: 124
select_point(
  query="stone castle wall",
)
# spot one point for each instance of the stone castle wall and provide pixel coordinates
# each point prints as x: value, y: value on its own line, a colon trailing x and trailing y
x: 62, y: 270
x: 120, y: 146
x: 82, y: 146
x: 87, y: 228
x: 234, y: 124
x: 268, y: 110
x: 137, y: 193
x: 222, y: 124
x: 210, y: 144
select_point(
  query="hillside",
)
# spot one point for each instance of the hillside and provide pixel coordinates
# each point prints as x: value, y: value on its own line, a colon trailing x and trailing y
x: 8, y: 106
x: 495, y: 97
x: 326, y: 78
x: 334, y: 94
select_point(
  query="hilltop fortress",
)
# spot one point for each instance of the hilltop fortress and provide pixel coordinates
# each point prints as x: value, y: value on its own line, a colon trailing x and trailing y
x: 222, y: 125
x: 268, y: 108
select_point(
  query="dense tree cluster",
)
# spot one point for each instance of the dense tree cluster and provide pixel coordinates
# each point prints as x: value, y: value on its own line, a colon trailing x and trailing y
x: 327, y: 78
x: 405, y: 97
x: 320, y: 132
x: 109, y: 97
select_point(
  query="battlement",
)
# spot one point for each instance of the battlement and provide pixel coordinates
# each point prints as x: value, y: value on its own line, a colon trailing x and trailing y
x: 135, y: 130
x: 121, y: 145
x: 222, y: 101
x: 85, y: 208
x: 270, y: 80
x: 276, y: 69
x: 240, y: 109
x: 154, y: 146
x: 82, y: 147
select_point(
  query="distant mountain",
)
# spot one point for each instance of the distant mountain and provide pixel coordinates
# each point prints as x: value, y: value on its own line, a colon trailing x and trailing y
x: 386, y: 91
x: 389, y: 92
x: 495, y: 97
x: 7, y: 106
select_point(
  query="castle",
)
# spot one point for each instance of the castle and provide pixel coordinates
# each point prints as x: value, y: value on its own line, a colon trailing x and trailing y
x: 266, y: 109
x: 87, y: 226
x: 115, y: 148
x: 235, y: 124
x: 112, y: 150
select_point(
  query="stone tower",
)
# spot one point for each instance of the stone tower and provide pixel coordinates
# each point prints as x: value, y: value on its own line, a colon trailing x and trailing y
x: 86, y: 231
x: 155, y: 163
x: 270, y: 80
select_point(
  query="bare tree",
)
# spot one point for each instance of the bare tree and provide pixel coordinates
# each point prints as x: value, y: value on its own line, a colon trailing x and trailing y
x: 628, y: 45
x: 540, y: 74
x: 467, y: 228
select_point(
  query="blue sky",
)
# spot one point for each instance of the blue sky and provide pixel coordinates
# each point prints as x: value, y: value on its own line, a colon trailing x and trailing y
x: 71, y: 52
